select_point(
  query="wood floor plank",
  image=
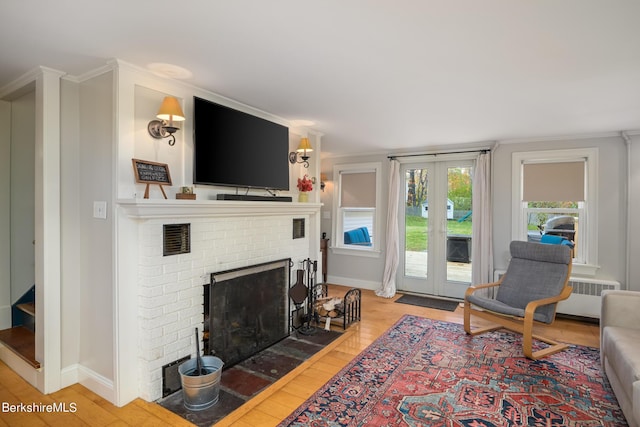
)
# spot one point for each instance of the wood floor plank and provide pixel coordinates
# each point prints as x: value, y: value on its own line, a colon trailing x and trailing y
x: 158, y: 412
x: 284, y: 398
x: 300, y: 390
x: 278, y: 408
x: 271, y: 406
x: 258, y: 418
x: 240, y: 423
x: 87, y: 410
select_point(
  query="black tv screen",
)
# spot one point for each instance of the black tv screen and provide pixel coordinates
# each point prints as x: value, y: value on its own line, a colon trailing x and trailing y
x: 237, y: 149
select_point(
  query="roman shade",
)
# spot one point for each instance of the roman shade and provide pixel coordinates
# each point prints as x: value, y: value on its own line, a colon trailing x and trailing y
x: 553, y: 182
x: 358, y: 190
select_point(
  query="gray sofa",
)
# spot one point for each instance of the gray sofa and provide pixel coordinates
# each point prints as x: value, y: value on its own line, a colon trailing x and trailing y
x: 620, y: 349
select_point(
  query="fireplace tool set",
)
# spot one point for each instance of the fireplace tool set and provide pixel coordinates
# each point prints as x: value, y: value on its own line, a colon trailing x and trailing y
x: 301, y: 293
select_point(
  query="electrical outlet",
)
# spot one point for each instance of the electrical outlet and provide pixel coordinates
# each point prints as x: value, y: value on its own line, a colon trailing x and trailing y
x: 100, y: 210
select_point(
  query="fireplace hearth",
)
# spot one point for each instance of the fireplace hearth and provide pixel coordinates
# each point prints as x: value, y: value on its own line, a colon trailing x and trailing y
x: 246, y: 310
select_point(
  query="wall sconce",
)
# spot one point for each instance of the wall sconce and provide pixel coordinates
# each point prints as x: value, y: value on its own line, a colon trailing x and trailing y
x: 170, y: 111
x: 302, y: 151
x: 323, y: 181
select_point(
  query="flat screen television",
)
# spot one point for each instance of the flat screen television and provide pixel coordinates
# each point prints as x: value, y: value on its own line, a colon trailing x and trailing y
x: 236, y: 149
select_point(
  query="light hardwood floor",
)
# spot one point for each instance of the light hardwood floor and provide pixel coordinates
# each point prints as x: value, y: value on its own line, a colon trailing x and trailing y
x: 266, y: 409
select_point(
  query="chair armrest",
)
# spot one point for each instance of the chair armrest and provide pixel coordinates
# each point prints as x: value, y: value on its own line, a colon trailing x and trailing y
x: 531, y: 308
x: 620, y: 308
x: 472, y: 289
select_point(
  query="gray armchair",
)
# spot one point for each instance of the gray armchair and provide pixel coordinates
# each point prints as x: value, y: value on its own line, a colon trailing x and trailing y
x: 536, y: 280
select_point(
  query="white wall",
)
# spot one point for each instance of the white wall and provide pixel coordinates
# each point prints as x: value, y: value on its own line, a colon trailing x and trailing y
x: 611, y: 203
x: 23, y: 110
x: 352, y: 270
x: 5, y: 215
x: 140, y: 96
x: 70, y: 231
x: 612, y: 200
x: 96, y: 310
x: 634, y: 214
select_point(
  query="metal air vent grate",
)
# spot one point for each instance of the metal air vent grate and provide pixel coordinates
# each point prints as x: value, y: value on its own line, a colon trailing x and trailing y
x: 298, y: 228
x: 176, y: 239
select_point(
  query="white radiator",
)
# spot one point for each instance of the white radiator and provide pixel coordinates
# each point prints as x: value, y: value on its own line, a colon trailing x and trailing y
x: 585, y: 298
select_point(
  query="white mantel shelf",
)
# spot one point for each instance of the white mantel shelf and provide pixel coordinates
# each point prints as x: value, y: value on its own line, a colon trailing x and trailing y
x: 158, y: 208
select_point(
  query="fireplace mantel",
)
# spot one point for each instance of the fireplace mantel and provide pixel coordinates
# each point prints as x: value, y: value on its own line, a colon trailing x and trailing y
x: 148, y: 209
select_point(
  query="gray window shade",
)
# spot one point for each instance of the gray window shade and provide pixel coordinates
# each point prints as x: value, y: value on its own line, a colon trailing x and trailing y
x: 358, y: 190
x: 553, y: 182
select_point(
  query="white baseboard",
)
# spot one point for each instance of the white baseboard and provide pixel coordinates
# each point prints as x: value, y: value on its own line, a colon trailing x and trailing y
x: 69, y: 376
x: 96, y: 383
x: 5, y: 317
x: 354, y: 283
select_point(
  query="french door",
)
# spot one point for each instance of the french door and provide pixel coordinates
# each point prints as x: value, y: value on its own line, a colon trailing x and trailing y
x: 436, y: 217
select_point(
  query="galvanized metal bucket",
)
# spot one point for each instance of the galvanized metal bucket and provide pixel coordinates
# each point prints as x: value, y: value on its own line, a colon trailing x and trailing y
x: 201, y: 391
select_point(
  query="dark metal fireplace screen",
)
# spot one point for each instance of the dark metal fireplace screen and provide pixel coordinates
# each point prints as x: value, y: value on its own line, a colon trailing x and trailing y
x: 248, y: 310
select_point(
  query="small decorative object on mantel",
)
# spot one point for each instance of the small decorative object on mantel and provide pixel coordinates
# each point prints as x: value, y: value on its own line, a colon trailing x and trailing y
x: 186, y: 193
x: 151, y: 173
x: 304, y: 186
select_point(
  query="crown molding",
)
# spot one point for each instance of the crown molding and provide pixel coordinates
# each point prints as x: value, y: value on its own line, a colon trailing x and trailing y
x: 594, y: 135
x: 26, y: 82
x: 91, y: 73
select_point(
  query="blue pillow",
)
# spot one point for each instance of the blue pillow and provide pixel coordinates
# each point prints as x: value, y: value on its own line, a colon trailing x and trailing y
x: 359, y: 236
x: 553, y: 239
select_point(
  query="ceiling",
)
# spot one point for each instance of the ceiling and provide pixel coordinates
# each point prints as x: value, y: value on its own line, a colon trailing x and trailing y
x: 375, y: 76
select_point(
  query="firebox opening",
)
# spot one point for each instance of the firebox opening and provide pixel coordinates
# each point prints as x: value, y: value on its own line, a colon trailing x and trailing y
x: 248, y: 310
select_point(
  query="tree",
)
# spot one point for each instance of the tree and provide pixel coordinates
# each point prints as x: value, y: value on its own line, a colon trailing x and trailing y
x: 416, y: 187
x: 459, y: 191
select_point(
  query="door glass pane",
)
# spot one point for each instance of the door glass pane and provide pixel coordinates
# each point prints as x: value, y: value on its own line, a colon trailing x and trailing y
x: 459, y: 220
x: 416, y: 223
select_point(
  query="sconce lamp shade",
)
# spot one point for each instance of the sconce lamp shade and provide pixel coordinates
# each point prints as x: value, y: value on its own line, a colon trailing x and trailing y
x: 302, y: 151
x: 304, y: 145
x: 170, y: 110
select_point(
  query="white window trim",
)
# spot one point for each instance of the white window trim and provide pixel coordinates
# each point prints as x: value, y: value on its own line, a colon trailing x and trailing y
x: 518, y: 220
x: 339, y: 247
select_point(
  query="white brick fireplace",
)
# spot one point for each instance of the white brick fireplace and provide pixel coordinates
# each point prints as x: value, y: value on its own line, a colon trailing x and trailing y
x: 160, y: 298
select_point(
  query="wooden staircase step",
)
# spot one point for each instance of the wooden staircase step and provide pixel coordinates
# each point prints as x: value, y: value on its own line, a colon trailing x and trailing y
x: 22, y: 342
x: 28, y: 307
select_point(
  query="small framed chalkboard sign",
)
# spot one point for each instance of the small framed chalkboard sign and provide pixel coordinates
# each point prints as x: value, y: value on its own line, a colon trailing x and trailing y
x: 151, y: 173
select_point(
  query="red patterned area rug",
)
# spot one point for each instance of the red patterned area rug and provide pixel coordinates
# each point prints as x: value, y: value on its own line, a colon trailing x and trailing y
x: 424, y: 372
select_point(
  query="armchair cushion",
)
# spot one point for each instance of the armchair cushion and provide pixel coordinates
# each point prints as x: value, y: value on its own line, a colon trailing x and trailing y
x: 619, y: 343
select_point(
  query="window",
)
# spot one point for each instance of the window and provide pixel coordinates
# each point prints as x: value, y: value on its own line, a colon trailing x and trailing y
x: 356, y: 202
x: 554, y: 195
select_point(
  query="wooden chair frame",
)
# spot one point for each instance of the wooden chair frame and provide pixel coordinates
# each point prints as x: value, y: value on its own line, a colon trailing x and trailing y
x: 522, y: 325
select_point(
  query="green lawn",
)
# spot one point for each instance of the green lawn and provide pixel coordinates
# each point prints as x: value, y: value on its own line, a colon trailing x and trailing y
x: 416, y: 231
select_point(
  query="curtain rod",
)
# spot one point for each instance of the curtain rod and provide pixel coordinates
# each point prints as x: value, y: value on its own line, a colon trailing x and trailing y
x: 484, y: 150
